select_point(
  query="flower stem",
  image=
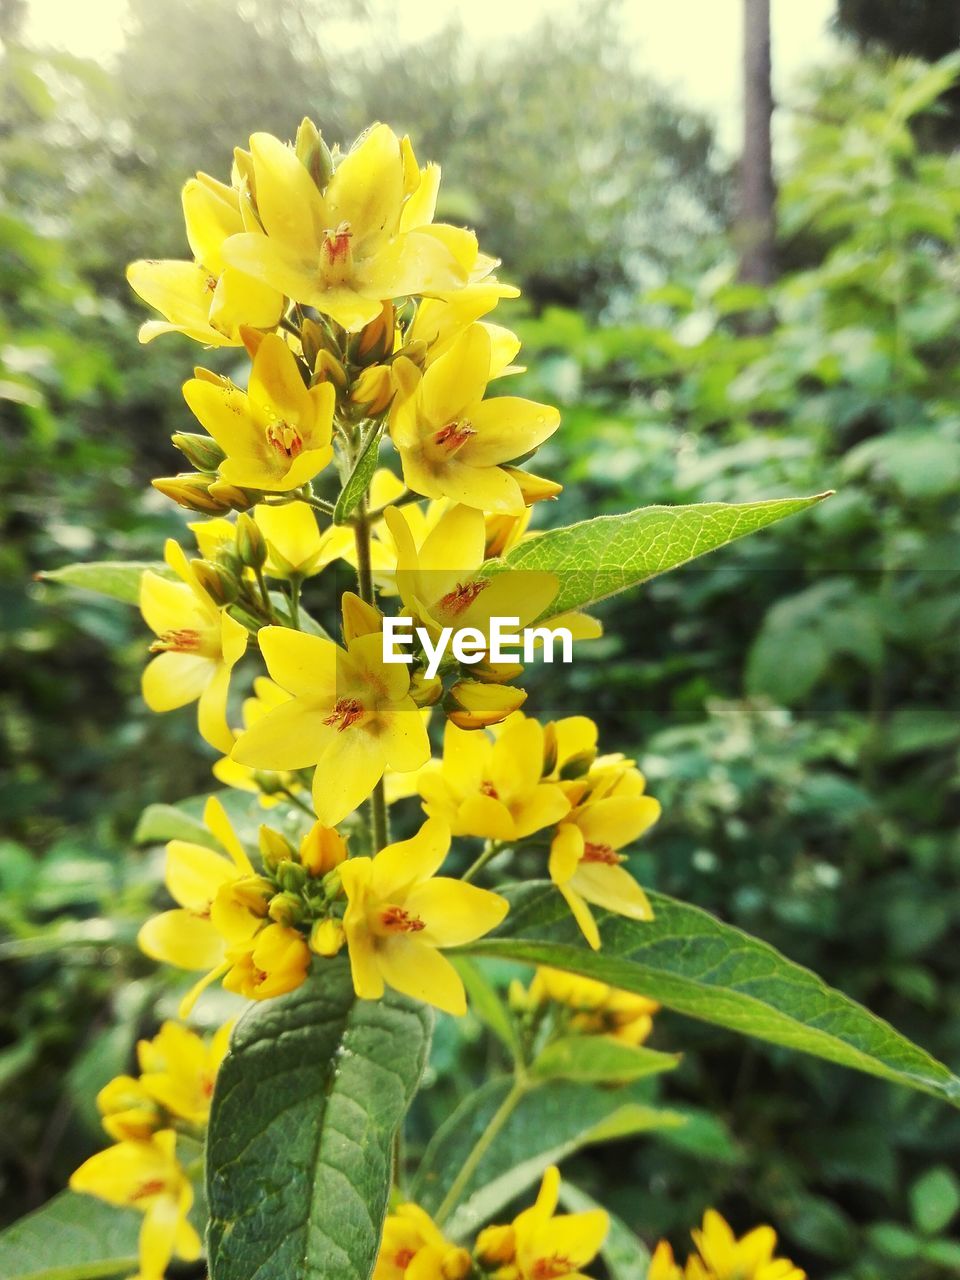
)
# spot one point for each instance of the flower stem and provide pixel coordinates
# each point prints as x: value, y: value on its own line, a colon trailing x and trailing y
x: 296, y: 582
x: 379, y: 818
x: 518, y: 1090
x: 408, y: 495
x: 490, y: 851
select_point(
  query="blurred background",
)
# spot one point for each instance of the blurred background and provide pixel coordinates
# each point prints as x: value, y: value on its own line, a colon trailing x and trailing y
x: 714, y: 326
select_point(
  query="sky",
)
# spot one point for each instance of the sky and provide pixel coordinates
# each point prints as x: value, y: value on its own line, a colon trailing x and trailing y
x: 692, y: 45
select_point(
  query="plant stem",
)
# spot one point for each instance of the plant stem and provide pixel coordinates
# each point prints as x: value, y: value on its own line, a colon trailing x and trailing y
x: 296, y: 582
x: 295, y: 799
x: 518, y: 1091
x: 490, y: 851
x: 264, y: 593
x: 379, y: 818
x: 290, y: 327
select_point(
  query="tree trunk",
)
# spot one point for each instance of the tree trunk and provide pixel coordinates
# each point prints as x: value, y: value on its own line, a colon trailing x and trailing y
x: 756, y: 228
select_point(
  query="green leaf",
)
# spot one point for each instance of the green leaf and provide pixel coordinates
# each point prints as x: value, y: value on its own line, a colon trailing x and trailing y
x: 600, y: 1059
x: 305, y: 1109
x: 161, y: 822
x: 934, y: 1200
x: 486, y: 1004
x: 597, y: 558
x: 549, y: 1123
x: 627, y: 1258
x: 693, y: 963
x: 118, y: 579
x: 73, y: 1237
x: 359, y: 478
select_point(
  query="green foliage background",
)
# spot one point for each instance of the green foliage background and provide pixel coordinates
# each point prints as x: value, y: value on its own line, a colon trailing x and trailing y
x: 794, y: 704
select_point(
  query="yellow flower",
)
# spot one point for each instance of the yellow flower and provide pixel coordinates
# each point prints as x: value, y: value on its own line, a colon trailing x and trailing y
x: 346, y: 250
x: 274, y: 961
x: 585, y: 862
x: 205, y: 299
x: 439, y: 580
x: 267, y: 695
x: 277, y: 433
x: 750, y: 1258
x: 127, y: 1111
x: 414, y: 1248
x: 222, y: 903
x: 493, y: 787
x: 295, y: 545
x: 471, y: 704
x: 349, y: 714
x: 551, y: 1246
x: 453, y: 443
x: 197, y: 645
x: 399, y: 912
x: 146, y: 1176
x: 597, y: 1009
x: 178, y: 1069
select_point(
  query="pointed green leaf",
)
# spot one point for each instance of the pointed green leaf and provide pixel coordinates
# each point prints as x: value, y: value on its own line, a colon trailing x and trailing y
x: 305, y: 1109
x: 548, y: 1124
x: 600, y: 1059
x: 627, y: 1258
x: 161, y: 822
x: 118, y: 579
x: 693, y: 963
x: 73, y: 1237
x: 485, y: 1004
x: 597, y: 558
x: 359, y: 478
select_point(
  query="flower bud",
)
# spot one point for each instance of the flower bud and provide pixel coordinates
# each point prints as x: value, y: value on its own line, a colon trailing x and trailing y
x: 577, y: 765
x: 274, y: 848
x: 322, y: 849
x: 286, y: 908
x: 193, y: 491
x: 456, y: 1264
x: 488, y: 672
x: 424, y: 692
x: 291, y: 876
x: 199, y: 450
x: 550, y: 749
x: 359, y: 618
x: 373, y: 390
x: 270, y: 784
x: 375, y: 340
x: 327, y: 368
x: 534, y: 488
x: 495, y: 1246
x: 327, y: 937
x: 235, y: 499
x: 251, y: 544
x: 472, y: 705
x: 220, y: 585
x: 313, y: 153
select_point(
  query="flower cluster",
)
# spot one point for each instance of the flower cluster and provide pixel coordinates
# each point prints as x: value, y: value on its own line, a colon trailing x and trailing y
x: 147, y: 1115
x: 539, y: 1244
x: 527, y: 784
x: 721, y: 1256
x: 364, y: 325
x: 588, y: 1007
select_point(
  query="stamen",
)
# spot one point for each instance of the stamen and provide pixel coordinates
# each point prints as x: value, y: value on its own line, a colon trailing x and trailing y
x: 284, y: 438
x: 488, y: 789
x: 601, y: 853
x: 336, y: 244
x: 396, y: 920
x: 151, y: 1188
x: 183, y: 640
x: 551, y: 1268
x: 462, y: 596
x: 346, y: 711
x: 454, y: 435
